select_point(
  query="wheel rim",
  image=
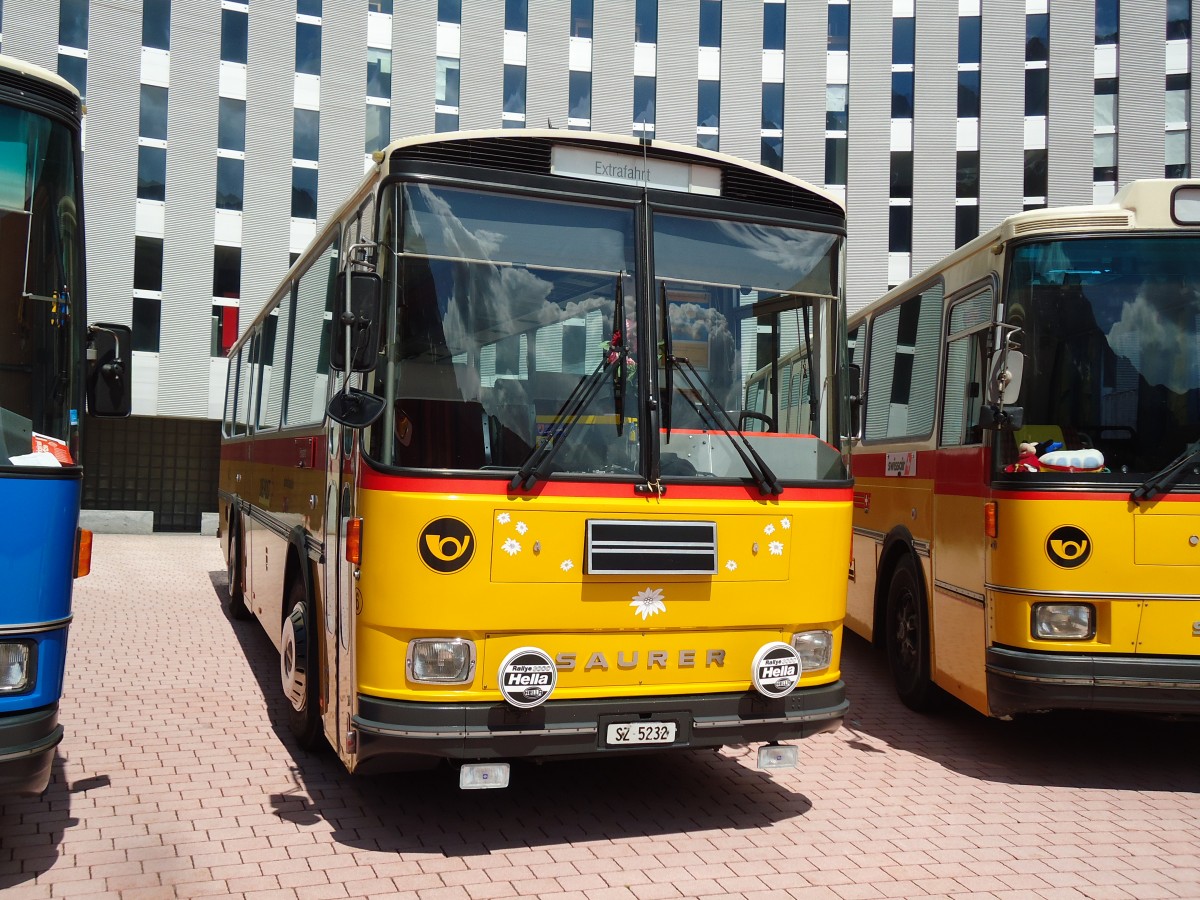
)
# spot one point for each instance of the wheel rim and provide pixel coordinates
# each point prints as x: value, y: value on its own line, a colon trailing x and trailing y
x: 291, y: 659
x: 907, y: 633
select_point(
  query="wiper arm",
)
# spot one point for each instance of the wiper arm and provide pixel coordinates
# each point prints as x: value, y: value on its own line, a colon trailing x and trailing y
x: 758, y: 468
x: 1168, y: 476
x: 668, y: 357
x: 577, y: 401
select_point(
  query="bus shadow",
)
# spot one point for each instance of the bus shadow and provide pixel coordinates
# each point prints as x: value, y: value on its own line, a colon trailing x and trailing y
x: 1069, y: 749
x: 32, y: 828
x: 563, y: 800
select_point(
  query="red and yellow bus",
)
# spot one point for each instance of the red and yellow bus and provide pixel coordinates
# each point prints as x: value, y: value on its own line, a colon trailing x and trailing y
x: 487, y: 481
x: 1027, y: 500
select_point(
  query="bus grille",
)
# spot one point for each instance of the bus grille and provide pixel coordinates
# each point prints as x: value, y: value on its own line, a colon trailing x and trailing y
x: 625, y: 547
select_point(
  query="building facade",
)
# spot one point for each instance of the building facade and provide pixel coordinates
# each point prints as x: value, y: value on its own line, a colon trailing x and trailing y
x: 221, y: 133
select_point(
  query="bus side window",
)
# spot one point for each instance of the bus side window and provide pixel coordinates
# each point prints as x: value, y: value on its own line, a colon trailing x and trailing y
x: 966, y: 363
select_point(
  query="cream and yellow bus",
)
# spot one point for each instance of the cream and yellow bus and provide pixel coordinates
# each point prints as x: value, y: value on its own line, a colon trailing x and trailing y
x: 486, y: 480
x: 1027, y: 500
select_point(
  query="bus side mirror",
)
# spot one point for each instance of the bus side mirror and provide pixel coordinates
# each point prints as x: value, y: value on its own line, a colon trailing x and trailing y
x: 1004, y: 385
x: 109, y: 383
x: 856, y: 399
x: 357, y: 323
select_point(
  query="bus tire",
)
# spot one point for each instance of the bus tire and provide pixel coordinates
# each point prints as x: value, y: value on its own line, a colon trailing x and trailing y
x: 298, y: 667
x: 235, y: 569
x: 907, y: 631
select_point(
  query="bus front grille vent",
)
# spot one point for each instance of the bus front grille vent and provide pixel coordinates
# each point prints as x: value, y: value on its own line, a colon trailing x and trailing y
x: 52, y: 95
x: 1074, y: 223
x: 632, y: 547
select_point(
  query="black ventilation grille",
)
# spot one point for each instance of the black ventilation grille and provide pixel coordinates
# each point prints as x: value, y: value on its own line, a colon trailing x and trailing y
x: 624, y: 547
x: 532, y: 156
x: 49, y: 94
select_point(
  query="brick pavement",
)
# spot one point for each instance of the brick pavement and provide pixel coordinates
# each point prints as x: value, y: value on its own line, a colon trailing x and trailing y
x: 177, y: 778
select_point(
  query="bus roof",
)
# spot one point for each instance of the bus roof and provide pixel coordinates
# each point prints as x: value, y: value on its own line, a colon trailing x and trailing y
x: 1144, y: 204
x: 21, y: 67
x: 632, y: 144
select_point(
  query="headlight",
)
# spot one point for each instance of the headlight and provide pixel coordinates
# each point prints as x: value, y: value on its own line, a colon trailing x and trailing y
x: 16, y: 667
x: 815, y: 649
x: 1064, y: 621
x: 441, y: 660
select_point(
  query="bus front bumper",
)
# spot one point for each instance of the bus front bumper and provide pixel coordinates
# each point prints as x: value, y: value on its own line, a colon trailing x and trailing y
x: 1019, y: 681
x: 27, y: 742
x: 391, y: 732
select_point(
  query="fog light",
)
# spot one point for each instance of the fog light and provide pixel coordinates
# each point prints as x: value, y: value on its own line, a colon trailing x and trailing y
x: 482, y: 776
x: 1064, y: 621
x: 815, y: 649
x: 441, y: 660
x: 778, y: 756
x: 16, y: 671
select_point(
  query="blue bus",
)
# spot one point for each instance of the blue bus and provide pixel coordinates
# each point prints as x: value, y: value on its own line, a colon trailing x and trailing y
x: 51, y: 365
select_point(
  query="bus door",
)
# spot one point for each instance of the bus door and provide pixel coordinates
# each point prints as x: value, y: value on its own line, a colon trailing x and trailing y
x: 960, y: 544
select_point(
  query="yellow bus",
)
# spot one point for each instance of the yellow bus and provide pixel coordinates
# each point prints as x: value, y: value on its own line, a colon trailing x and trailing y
x: 486, y: 480
x: 1027, y: 443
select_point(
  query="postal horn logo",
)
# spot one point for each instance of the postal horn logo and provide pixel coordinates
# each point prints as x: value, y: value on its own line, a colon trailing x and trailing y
x: 446, y: 545
x: 1068, y: 547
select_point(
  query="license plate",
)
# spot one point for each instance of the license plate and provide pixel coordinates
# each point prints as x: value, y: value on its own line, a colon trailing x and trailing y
x: 624, y: 734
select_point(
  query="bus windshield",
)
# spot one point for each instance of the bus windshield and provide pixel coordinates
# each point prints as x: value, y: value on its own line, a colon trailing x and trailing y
x: 40, y: 275
x: 1110, y: 329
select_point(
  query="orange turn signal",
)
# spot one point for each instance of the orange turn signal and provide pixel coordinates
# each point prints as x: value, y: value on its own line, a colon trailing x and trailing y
x: 989, y: 519
x: 83, y: 553
x: 354, y: 541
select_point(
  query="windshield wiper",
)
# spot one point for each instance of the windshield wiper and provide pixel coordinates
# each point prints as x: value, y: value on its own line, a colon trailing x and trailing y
x: 718, y: 419
x: 577, y: 401
x: 1168, y: 476
x: 668, y: 369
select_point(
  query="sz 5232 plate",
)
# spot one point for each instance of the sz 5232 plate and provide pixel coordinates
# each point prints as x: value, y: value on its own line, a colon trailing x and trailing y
x: 625, y: 734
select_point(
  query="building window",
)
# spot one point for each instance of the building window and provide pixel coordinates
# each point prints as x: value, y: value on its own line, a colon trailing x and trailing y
x: 514, y: 89
x: 581, y: 18
x: 156, y: 24
x: 835, y: 161
x: 771, y: 152
x: 445, y: 122
x: 900, y: 229
x: 1035, y: 174
x: 1178, y: 98
x: 579, y: 87
x: 645, y: 22
x: 901, y: 186
x: 379, y: 73
x: 839, y: 27
x: 450, y: 12
x: 304, y: 193
x: 837, y: 108
x: 224, y: 329
x: 147, y: 264
x: 147, y: 324
x: 708, y: 104
x: 1037, y: 37
x: 74, y: 70
x: 1179, y: 20
x: 968, y: 94
x: 1104, y: 157
x: 231, y: 174
x: 774, y: 22
x: 1175, y: 148
x: 1037, y: 92
x: 73, y: 23
x: 969, y: 40
x: 966, y: 182
x: 231, y: 124
x: 233, y: 35
x: 1108, y: 21
x: 152, y: 173
x: 227, y: 272
x: 516, y: 15
x: 380, y: 6
x: 902, y: 95
x: 643, y: 102
x: 966, y: 223
x: 306, y: 134
x: 308, y: 49
x: 904, y: 47
x: 772, y: 106
x: 379, y: 127
x: 447, y: 81
x: 710, y: 23
x: 309, y: 8
x: 152, y: 117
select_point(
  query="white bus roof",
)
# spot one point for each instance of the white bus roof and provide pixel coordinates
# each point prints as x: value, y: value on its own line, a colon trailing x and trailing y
x: 30, y: 70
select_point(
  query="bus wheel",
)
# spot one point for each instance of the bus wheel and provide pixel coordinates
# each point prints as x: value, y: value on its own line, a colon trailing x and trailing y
x: 907, y: 631
x: 235, y: 569
x: 298, y: 667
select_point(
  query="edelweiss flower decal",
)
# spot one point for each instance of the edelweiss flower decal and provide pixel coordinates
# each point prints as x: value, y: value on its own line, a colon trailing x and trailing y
x: 511, y: 547
x: 776, y: 548
x: 648, y: 603
x: 731, y: 566
x: 786, y: 524
x: 503, y: 518
x: 566, y: 565
x: 522, y: 528
x: 770, y: 529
